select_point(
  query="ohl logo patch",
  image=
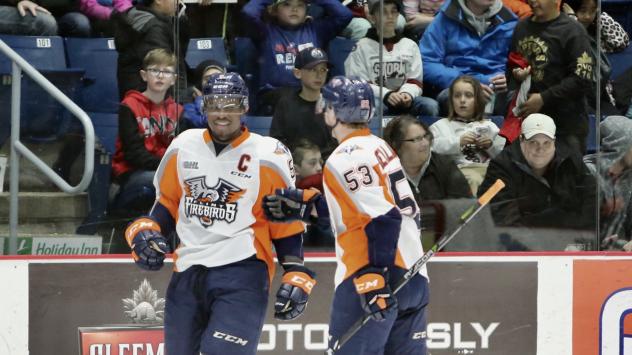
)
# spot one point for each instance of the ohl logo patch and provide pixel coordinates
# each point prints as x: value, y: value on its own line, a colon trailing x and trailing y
x: 210, y: 204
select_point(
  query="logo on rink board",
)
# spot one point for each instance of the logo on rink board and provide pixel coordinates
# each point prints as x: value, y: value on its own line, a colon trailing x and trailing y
x: 602, y: 307
x: 210, y: 204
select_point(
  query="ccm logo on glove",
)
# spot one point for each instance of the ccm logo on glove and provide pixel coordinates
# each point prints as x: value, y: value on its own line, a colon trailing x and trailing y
x: 301, y: 280
x: 368, y: 282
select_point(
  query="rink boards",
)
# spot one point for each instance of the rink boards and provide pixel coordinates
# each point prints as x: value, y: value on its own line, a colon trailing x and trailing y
x: 499, y: 304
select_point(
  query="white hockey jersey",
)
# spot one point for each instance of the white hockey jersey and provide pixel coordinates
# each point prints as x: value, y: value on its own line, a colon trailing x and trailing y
x: 363, y: 179
x: 402, y: 71
x: 216, y: 199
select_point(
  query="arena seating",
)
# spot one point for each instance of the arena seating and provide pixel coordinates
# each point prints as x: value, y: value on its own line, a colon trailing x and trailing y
x: 338, y: 51
x: 201, y: 49
x: 97, y: 56
x: 247, y: 66
x: 258, y: 124
x: 42, y: 117
x: 620, y: 62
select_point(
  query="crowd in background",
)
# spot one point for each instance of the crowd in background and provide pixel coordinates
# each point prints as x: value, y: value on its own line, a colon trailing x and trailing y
x: 458, y: 61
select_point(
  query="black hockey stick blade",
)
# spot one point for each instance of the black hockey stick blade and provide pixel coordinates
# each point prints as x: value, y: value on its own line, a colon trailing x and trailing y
x: 465, y: 218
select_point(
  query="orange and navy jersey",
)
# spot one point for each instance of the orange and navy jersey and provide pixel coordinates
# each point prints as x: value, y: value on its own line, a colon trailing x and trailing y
x: 215, y: 199
x: 363, y: 179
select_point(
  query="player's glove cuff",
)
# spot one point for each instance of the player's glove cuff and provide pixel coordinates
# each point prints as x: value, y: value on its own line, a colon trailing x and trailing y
x: 140, y: 224
x: 376, y: 297
x: 300, y: 276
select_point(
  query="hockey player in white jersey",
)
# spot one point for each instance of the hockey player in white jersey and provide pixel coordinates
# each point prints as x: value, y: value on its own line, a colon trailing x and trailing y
x: 209, y: 187
x: 376, y: 223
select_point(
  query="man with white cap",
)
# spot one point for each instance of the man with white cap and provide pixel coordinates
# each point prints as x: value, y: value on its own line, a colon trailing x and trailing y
x: 547, y: 183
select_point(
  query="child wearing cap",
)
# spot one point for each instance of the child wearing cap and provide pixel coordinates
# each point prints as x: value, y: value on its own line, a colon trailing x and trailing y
x: 287, y: 32
x: 401, y: 66
x: 294, y: 116
x: 546, y: 183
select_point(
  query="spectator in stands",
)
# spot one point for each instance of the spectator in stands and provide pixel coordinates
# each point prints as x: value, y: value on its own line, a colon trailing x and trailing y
x: 613, y: 35
x: 546, y: 183
x: 401, y: 69
x: 561, y: 69
x: 99, y: 12
x: 288, y: 32
x: 360, y: 24
x: 612, y: 167
x: 432, y: 176
x: 308, y: 165
x: 466, y: 136
x: 146, y: 26
x: 147, y: 124
x: 193, y: 112
x: 419, y: 14
x: 469, y: 37
x: 613, y: 39
x: 30, y: 19
x: 294, y: 116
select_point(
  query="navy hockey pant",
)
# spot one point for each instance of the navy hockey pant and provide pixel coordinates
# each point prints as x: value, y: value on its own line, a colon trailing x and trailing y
x: 217, y: 310
x: 403, y: 332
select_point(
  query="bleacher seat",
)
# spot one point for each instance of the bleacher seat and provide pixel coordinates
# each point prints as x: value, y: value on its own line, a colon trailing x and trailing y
x: 620, y: 62
x: 258, y: 124
x: 338, y: 51
x: 201, y: 49
x: 42, y: 52
x: 98, y: 57
x: 246, y: 56
x: 42, y: 117
x: 591, y: 140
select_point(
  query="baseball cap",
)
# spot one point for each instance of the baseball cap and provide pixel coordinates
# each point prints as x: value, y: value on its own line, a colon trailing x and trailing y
x: 537, y: 123
x: 310, y: 57
x: 374, y: 4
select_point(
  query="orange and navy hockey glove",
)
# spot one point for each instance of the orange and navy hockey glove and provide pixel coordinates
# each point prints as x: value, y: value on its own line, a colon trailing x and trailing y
x: 148, y: 245
x: 291, y: 299
x: 292, y: 204
x: 376, y: 296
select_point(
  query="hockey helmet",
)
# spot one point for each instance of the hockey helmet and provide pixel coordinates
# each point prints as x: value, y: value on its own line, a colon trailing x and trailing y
x: 225, y: 92
x: 350, y: 98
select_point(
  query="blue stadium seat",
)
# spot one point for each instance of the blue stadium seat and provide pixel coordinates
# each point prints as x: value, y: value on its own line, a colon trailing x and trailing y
x: 98, y: 57
x: 42, y: 117
x: 338, y: 51
x: 201, y: 49
x: 106, y: 130
x: 620, y: 62
x: 246, y: 60
x: 429, y: 120
x: 42, y: 52
x: 258, y: 124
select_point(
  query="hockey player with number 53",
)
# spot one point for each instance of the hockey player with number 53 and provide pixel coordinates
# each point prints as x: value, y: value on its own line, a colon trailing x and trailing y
x: 376, y: 224
x: 209, y: 188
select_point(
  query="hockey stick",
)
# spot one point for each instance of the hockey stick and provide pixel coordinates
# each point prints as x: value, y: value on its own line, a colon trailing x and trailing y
x: 465, y: 218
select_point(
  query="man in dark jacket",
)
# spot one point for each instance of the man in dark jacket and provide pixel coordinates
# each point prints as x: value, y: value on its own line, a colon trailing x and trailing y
x: 149, y: 25
x: 547, y: 183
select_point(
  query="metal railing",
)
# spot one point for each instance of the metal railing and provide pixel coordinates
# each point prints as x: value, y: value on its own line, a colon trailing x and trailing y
x: 18, y: 149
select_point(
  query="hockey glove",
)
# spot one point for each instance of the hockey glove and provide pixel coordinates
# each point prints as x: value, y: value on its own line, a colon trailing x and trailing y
x: 148, y: 245
x: 375, y: 294
x: 291, y: 299
x: 287, y: 205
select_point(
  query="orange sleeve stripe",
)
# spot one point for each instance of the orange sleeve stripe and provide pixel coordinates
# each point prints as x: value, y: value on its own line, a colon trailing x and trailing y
x: 353, y: 241
x: 264, y: 230
x: 169, y: 185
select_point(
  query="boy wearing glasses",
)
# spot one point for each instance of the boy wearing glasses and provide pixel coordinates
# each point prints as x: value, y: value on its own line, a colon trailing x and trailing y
x: 401, y: 65
x: 294, y: 116
x: 147, y: 124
